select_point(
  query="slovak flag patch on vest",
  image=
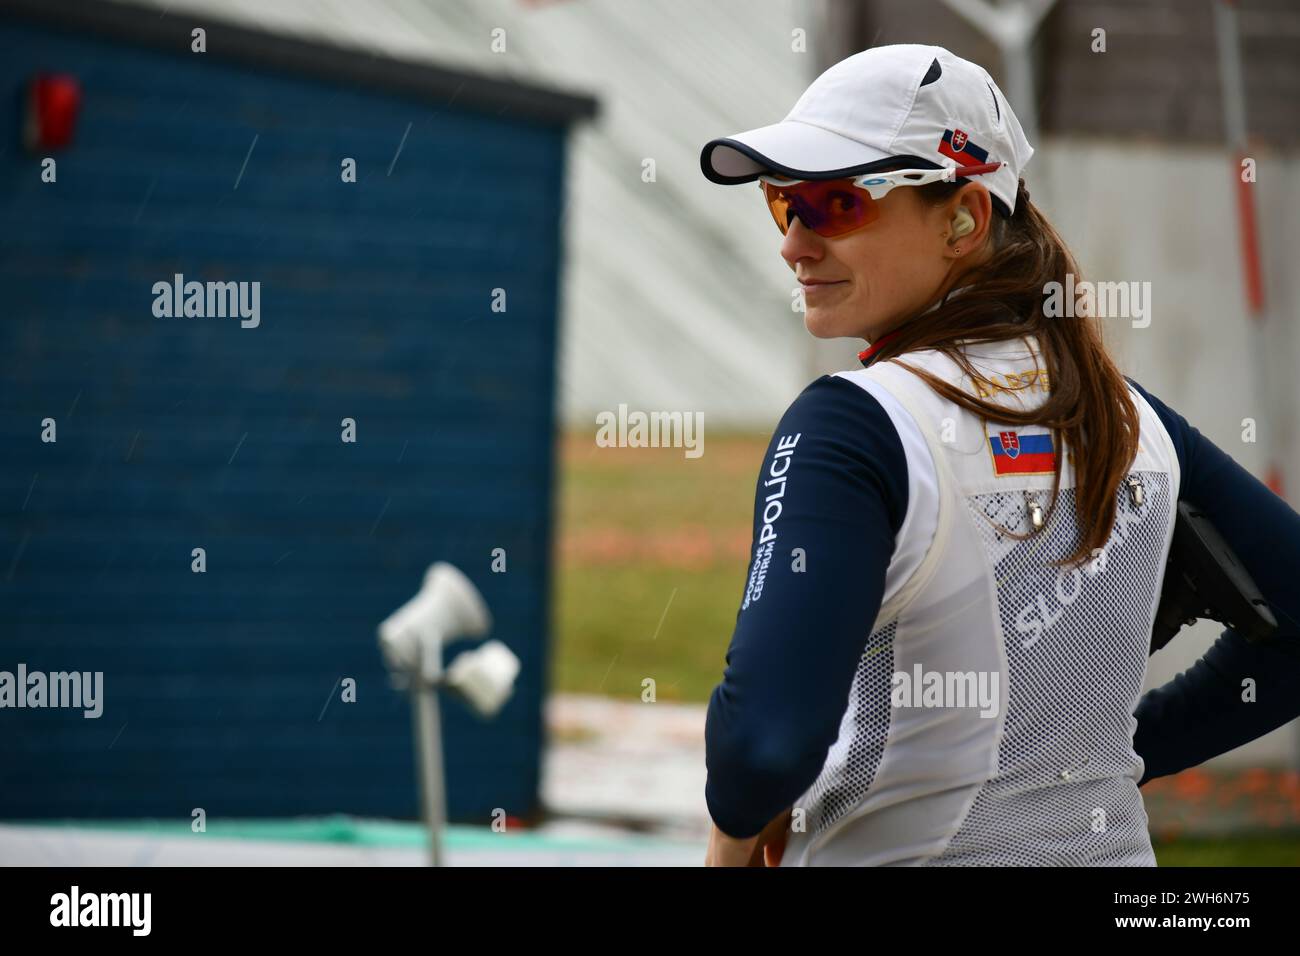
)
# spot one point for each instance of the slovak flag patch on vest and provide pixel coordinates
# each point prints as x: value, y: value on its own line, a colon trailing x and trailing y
x: 1019, y: 453
x: 957, y: 145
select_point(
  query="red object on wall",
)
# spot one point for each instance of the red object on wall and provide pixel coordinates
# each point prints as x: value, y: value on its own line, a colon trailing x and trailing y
x: 52, y: 105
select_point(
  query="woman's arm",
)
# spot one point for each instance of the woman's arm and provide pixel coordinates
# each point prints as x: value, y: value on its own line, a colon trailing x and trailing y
x: 831, y: 497
x: 1206, y: 711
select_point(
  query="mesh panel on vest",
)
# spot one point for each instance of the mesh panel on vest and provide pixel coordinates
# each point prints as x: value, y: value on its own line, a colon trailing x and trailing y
x: 1076, y: 643
x: 852, y: 760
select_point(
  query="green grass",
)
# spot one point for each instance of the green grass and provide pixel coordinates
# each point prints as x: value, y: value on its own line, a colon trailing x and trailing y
x: 1236, y: 850
x: 653, y: 552
x: 612, y: 651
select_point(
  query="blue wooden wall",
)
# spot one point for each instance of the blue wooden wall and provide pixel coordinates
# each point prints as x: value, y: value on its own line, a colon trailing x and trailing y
x: 177, y: 433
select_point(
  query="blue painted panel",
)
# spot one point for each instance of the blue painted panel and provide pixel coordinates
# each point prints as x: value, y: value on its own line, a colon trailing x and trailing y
x: 177, y: 433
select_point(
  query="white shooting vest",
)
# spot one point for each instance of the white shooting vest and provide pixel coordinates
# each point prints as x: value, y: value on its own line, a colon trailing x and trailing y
x: 1049, y: 775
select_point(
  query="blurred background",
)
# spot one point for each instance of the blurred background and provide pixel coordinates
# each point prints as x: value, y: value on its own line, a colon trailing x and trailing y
x: 527, y: 243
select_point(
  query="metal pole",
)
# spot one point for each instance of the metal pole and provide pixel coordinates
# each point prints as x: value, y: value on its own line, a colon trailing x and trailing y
x: 1234, y: 122
x: 428, y: 744
x: 1017, y: 60
x: 1012, y: 27
x: 428, y: 755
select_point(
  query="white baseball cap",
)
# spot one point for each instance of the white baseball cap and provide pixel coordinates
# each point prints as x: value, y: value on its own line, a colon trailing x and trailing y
x: 907, y: 101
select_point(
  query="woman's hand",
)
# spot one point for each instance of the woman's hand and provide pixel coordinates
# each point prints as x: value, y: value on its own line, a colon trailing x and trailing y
x: 730, y: 851
x: 771, y: 842
x: 765, y: 849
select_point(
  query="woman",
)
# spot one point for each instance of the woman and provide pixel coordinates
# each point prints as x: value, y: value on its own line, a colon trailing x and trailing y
x: 958, y: 549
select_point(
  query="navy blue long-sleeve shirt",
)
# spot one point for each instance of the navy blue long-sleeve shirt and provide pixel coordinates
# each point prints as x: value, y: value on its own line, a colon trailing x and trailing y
x: 837, y: 469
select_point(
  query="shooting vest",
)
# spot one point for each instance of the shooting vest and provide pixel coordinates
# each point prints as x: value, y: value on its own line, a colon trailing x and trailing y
x: 990, y: 719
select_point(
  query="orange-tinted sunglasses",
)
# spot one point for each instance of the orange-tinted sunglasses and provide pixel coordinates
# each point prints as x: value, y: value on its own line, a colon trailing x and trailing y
x: 836, y: 207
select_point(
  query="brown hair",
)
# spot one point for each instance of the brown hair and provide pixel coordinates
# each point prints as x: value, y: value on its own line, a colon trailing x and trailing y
x: 1088, y: 408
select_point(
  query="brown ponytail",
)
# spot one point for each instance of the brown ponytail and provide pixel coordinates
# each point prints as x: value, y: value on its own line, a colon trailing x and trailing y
x: 1088, y: 409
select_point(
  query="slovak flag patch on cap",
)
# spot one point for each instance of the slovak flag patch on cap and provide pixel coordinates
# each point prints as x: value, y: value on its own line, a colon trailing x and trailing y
x: 957, y: 145
x: 1018, y: 453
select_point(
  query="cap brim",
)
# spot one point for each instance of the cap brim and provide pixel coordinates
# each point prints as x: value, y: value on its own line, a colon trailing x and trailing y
x: 790, y: 148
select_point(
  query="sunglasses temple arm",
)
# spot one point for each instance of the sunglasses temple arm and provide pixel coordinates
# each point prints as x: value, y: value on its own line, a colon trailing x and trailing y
x: 963, y: 171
